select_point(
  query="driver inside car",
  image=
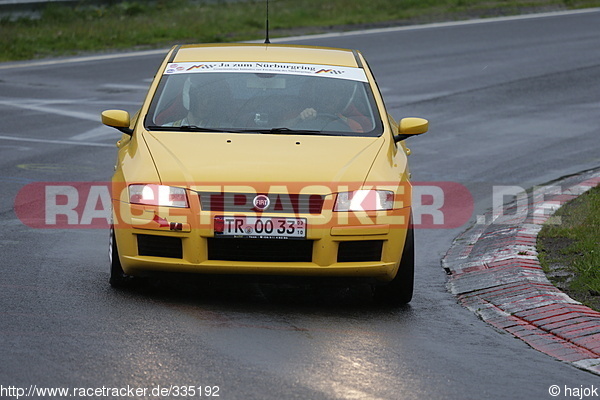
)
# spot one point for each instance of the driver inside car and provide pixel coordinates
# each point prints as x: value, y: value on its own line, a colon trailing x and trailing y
x: 205, y: 103
x: 330, y: 107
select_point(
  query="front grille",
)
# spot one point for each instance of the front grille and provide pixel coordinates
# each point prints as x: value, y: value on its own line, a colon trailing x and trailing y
x: 361, y: 250
x: 280, y: 203
x: 267, y: 250
x: 159, y: 246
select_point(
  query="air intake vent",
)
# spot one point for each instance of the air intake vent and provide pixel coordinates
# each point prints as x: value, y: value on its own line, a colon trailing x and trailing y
x: 279, y: 203
x: 268, y: 250
x: 159, y: 246
x: 362, y: 250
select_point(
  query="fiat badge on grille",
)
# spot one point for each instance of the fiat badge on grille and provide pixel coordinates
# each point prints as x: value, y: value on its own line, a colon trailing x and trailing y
x: 261, y: 202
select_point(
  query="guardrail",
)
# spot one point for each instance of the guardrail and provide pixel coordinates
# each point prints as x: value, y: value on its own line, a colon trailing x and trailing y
x: 31, y: 8
x: 25, y: 8
x: 30, y: 2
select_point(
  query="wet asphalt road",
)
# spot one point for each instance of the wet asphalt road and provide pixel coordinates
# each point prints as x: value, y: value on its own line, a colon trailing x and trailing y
x: 510, y: 103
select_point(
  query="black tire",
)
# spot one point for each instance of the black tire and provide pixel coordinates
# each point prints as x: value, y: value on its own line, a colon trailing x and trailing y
x: 399, y: 290
x: 118, y: 278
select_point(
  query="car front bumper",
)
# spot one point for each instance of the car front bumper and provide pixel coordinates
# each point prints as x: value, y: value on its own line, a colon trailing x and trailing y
x: 154, y: 239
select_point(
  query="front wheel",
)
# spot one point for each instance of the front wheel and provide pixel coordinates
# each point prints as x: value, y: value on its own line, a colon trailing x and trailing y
x: 400, y: 289
x: 118, y: 278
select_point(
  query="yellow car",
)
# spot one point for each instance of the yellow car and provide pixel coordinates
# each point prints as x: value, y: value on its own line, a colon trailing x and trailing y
x: 264, y: 159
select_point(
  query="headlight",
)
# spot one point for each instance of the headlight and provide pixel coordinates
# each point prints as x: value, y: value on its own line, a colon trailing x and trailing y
x: 158, y: 195
x: 364, y: 200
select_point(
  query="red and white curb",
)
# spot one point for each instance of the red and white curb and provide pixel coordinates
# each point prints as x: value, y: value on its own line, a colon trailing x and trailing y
x: 494, y: 272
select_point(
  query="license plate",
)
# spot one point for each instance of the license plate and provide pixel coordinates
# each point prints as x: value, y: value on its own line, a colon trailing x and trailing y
x: 260, y: 227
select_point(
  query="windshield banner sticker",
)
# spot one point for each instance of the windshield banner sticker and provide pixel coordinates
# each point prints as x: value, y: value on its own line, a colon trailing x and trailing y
x: 330, y: 71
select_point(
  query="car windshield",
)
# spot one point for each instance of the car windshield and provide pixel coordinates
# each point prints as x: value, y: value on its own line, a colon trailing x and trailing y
x: 276, y: 99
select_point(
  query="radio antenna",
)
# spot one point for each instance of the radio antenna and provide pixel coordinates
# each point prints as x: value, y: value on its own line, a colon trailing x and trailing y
x: 267, y: 41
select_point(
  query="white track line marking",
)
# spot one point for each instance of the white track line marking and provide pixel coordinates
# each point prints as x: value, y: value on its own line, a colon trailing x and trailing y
x: 49, y: 141
x: 99, y: 132
x: 42, y: 107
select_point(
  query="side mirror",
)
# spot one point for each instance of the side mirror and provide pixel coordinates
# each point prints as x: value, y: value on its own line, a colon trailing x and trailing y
x: 117, y: 119
x: 411, y: 126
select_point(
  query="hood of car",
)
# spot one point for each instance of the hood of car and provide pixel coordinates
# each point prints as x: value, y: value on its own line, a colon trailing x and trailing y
x: 196, y: 159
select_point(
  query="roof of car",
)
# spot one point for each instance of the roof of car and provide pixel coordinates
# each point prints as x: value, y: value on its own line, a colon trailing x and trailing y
x: 267, y: 53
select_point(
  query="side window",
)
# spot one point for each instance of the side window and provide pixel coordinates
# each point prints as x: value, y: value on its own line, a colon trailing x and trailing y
x: 169, y: 105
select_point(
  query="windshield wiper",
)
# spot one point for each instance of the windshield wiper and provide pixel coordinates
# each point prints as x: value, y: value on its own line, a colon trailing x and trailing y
x: 189, y: 128
x: 195, y: 128
x: 281, y: 130
x: 289, y: 131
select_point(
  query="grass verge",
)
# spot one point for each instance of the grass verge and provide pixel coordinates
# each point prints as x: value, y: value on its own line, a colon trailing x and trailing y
x: 75, y: 29
x: 570, y: 251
